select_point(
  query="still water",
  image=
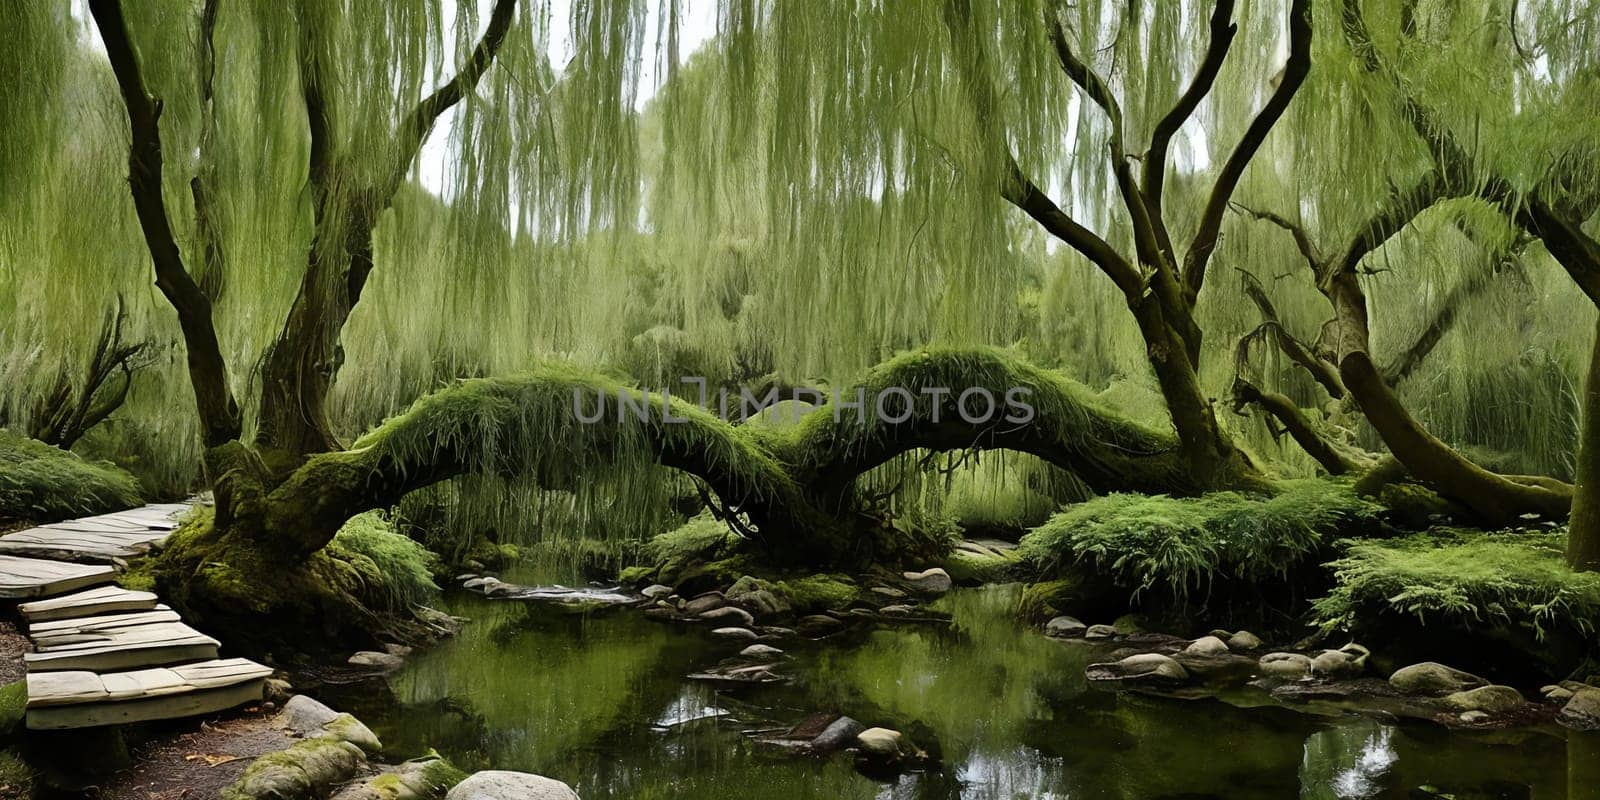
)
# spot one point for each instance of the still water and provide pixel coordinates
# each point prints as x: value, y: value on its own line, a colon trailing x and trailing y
x: 601, y: 701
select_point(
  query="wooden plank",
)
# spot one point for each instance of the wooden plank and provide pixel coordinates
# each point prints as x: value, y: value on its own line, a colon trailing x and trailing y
x: 31, y: 577
x: 121, y: 712
x: 102, y: 622
x: 121, y: 648
x: 166, y: 631
x: 126, y: 656
x: 64, y: 545
x: 89, y: 602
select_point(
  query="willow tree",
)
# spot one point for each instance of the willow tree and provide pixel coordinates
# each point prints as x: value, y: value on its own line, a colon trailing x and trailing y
x: 1529, y: 159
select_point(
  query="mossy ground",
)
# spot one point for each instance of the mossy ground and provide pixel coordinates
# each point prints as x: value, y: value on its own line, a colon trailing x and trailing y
x: 1182, y: 546
x: 1500, y: 596
x: 351, y: 595
x: 41, y: 483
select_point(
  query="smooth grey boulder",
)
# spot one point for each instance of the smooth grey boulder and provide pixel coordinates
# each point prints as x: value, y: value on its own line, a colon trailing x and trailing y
x: 505, y: 785
x: 1433, y: 678
x: 1143, y: 667
x: 1100, y: 632
x: 929, y: 581
x: 704, y: 603
x: 838, y: 734
x: 310, y: 719
x: 1207, y: 646
x: 1244, y: 640
x: 388, y: 662
x: 656, y: 591
x: 761, y: 652
x: 1346, y: 662
x: 1582, y: 710
x: 1285, y: 666
x: 1488, y: 699
x: 728, y: 616
x: 735, y: 634
x: 1064, y: 627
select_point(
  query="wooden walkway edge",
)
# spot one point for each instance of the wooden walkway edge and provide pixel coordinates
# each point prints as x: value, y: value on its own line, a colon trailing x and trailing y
x: 105, y: 655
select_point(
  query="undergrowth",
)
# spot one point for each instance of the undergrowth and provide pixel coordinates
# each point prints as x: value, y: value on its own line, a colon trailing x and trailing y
x: 1463, y: 579
x: 1180, y: 544
x: 41, y: 483
x: 391, y: 565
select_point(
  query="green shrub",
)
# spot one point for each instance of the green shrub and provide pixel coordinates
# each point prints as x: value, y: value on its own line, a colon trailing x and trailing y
x: 393, y: 567
x: 1143, y: 542
x: 40, y: 483
x: 1466, y: 579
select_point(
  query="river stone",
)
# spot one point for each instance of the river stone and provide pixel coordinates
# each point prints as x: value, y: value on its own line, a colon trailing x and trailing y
x: 347, y: 728
x: 1582, y: 711
x: 1064, y: 628
x: 879, y: 742
x: 735, y: 634
x: 706, y: 602
x: 818, y: 625
x: 1100, y: 632
x: 387, y: 662
x: 306, y: 771
x: 1207, y: 646
x: 1285, y: 666
x: 889, y: 592
x: 1488, y: 699
x: 1433, y: 678
x: 897, y: 610
x: 479, y: 584
x: 761, y: 651
x: 421, y: 779
x: 1556, y: 694
x: 839, y: 733
x: 504, y: 785
x: 1143, y: 666
x: 1346, y: 662
x: 656, y: 591
x: 728, y: 616
x: 304, y: 715
x: 756, y: 596
x: 1244, y: 640
x: 929, y: 581
x: 1473, y: 717
x: 1224, y: 635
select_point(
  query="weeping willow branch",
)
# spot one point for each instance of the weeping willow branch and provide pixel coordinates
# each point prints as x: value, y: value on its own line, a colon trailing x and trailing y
x: 1210, y: 226
x: 301, y: 365
x: 1324, y: 373
x: 208, y: 372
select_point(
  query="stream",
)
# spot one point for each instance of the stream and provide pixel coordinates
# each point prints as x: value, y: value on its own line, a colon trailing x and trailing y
x: 600, y: 700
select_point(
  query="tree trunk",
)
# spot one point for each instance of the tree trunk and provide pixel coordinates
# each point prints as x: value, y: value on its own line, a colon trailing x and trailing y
x: 1583, y: 533
x: 1212, y: 459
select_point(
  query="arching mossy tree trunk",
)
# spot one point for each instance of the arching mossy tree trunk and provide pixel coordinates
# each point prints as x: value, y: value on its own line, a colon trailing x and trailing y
x: 1160, y: 285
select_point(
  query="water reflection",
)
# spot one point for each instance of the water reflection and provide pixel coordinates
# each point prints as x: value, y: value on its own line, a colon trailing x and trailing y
x: 601, y: 702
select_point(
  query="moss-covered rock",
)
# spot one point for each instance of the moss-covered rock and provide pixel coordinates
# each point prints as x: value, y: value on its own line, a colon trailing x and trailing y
x: 13, y: 708
x: 816, y: 592
x: 308, y: 770
x: 41, y: 483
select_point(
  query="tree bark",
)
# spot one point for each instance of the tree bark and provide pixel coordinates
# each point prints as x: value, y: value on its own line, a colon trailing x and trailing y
x: 300, y: 366
x: 208, y: 371
x: 1583, y: 532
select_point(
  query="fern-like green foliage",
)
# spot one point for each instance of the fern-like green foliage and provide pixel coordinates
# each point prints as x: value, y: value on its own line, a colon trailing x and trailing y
x: 392, y: 565
x: 1181, y: 544
x: 1467, y: 579
x: 41, y: 483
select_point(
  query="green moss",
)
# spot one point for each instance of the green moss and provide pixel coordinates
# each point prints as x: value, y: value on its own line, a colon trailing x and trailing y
x: 16, y: 776
x: 816, y: 592
x: 1180, y: 544
x: 1462, y: 579
x: 40, y: 483
x: 1047, y: 598
x: 308, y: 768
x: 392, y: 566
x: 13, y: 707
x: 968, y: 568
x: 636, y: 576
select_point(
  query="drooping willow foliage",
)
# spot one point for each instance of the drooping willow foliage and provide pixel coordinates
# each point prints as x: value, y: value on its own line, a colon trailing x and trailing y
x: 812, y: 190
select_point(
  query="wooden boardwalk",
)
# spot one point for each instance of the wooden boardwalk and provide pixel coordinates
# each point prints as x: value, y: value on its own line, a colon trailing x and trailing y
x: 105, y: 655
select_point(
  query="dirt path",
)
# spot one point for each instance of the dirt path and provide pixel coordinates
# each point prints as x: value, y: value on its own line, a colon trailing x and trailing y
x: 195, y: 759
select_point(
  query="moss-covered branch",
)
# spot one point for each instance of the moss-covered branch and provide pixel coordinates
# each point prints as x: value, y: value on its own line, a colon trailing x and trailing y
x: 795, y: 485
